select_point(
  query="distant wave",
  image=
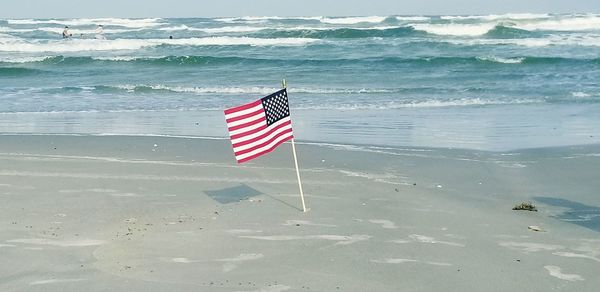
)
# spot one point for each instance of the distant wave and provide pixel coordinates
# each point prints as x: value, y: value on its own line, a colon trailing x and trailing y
x: 124, y: 22
x: 162, y: 88
x: 262, y: 19
x: 504, y: 32
x: 513, y: 28
x: 494, y: 59
x: 547, y: 41
x: 490, y: 17
x: 322, y: 19
x: 10, y: 29
x: 239, y: 90
x: 15, y: 72
x: 353, y: 20
x: 413, y: 18
x: 462, y: 102
x: 91, y: 31
x: 76, y: 45
x: 225, y: 29
x: 573, y: 23
x: 454, y: 29
x: 339, y: 33
x: 216, y: 61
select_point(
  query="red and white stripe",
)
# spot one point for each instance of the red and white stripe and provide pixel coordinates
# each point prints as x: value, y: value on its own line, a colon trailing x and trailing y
x: 249, y: 133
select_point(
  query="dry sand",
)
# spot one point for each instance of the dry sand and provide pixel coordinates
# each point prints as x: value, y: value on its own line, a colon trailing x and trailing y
x: 177, y: 214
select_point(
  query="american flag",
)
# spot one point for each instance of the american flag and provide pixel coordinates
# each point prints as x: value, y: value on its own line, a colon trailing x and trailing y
x: 258, y: 127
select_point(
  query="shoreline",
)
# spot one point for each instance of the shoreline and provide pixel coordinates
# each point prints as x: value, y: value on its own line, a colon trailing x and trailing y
x: 489, y: 128
x: 325, y: 144
x: 98, y: 212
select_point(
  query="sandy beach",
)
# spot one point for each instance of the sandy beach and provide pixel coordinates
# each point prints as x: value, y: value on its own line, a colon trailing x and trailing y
x: 100, y: 213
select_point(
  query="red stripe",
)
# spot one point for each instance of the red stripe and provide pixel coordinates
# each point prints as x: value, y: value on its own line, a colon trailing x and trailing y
x: 262, y: 145
x: 248, y: 124
x: 260, y: 110
x: 240, y: 135
x: 261, y: 136
x: 264, y: 152
x: 242, y: 107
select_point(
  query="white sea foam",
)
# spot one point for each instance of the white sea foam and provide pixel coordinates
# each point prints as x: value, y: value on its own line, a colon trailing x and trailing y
x: 518, y: 60
x: 454, y: 29
x: 259, y: 19
x: 173, y: 28
x: 412, y: 18
x: 580, y: 94
x: 587, y: 40
x: 578, y: 23
x: 511, y: 16
x: 7, y: 37
x: 77, y: 45
x: 202, y: 90
x: 31, y: 59
x: 121, y: 58
x: 76, y: 31
x: 224, y: 29
x: 464, y: 102
x: 251, y: 90
x: 227, y: 29
x: 353, y: 20
x: 10, y: 29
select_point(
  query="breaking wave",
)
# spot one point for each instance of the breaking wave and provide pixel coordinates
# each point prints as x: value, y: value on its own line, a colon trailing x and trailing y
x: 76, y: 45
x: 61, y: 60
x: 124, y: 22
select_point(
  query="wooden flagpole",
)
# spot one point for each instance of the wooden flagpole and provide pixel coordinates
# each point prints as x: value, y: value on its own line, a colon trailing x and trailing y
x: 284, y: 84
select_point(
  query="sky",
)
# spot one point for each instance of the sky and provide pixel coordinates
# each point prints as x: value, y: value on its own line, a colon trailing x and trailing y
x: 202, y: 8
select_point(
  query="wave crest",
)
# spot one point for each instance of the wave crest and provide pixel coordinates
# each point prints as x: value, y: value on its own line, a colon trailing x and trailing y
x: 77, y: 45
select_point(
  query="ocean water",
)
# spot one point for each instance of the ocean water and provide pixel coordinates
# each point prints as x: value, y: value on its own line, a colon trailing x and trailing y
x: 490, y: 82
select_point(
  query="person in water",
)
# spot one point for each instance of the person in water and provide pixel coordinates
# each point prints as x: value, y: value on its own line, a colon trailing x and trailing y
x: 100, y: 32
x: 66, y: 33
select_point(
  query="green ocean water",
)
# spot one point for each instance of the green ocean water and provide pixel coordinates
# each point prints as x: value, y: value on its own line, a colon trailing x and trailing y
x: 489, y: 82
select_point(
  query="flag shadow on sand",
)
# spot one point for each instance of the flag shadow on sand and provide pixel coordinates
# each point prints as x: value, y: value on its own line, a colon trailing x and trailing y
x: 233, y: 194
x: 580, y: 214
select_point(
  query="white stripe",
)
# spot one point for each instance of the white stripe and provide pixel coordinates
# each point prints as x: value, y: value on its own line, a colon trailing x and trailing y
x: 261, y: 149
x: 243, y: 112
x: 248, y: 128
x: 263, y: 140
x: 246, y: 120
x: 251, y: 136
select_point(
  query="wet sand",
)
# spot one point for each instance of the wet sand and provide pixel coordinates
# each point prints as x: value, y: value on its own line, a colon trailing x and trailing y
x: 104, y: 213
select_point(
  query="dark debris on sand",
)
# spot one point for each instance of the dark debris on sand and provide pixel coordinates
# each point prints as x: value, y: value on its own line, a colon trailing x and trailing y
x: 526, y: 206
